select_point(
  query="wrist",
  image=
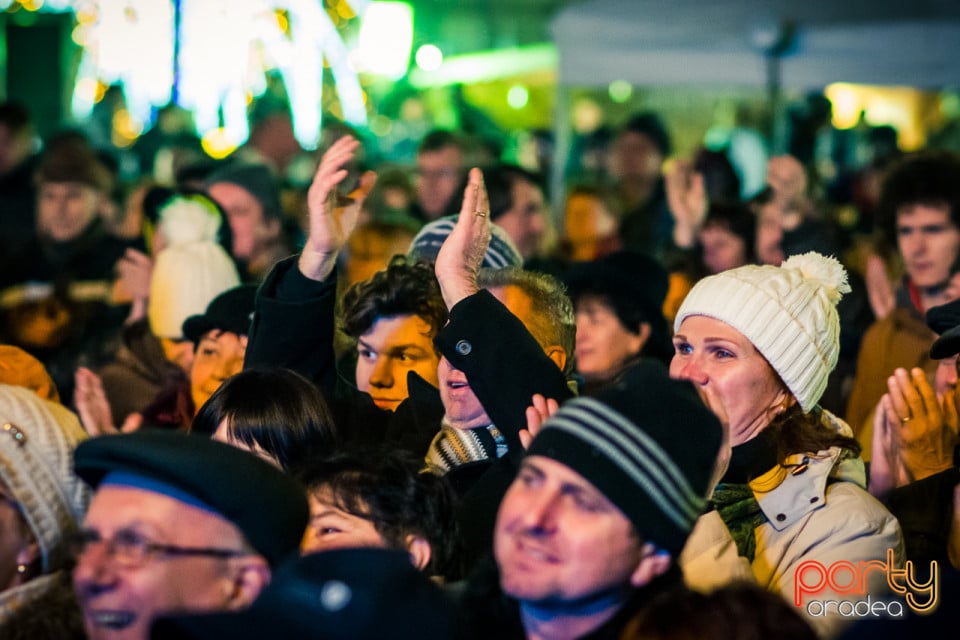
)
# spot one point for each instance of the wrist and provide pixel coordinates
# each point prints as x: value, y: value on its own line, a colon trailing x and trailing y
x: 317, y: 265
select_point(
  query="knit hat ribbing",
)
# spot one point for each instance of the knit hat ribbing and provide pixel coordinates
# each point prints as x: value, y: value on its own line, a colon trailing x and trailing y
x: 500, y: 253
x: 647, y: 443
x: 36, y: 464
x: 789, y: 313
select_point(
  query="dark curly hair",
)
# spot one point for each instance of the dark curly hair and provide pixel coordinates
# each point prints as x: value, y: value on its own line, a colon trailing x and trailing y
x: 403, y: 288
x: 389, y: 490
x: 930, y: 178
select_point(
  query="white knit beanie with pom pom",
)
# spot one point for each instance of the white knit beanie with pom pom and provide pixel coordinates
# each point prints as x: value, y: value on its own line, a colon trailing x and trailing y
x: 192, y: 270
x: 789, y: 313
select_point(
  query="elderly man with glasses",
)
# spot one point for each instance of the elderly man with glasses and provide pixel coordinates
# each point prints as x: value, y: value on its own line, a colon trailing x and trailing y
x: 178, y: 523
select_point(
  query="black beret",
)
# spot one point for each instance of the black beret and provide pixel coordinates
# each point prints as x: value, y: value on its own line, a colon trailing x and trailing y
x: 344, y: 594
x: 268, y: 507
x: 230, y: 311
x: 945, y: 321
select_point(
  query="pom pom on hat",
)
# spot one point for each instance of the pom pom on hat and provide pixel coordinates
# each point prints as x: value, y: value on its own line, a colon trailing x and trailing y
x: 789, y: 313
x: 192, y: 270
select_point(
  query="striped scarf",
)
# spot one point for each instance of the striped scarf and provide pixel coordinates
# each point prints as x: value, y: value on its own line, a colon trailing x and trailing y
x: 454, y: 447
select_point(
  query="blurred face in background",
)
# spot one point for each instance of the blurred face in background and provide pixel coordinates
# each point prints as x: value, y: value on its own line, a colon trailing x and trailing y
x: 929, y: 243
x: 251, y: 229
x: 634, y: 156
x: 604, y: 345
x: 65, y: 209
x: 438, y: 175
x: 525, y: 222
x: 722, y: 249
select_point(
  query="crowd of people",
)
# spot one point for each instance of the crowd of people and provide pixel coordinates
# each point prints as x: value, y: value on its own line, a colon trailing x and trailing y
x: 410, y: 405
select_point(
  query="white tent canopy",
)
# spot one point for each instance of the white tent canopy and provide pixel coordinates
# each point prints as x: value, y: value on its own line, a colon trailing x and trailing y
x: 721, y: 42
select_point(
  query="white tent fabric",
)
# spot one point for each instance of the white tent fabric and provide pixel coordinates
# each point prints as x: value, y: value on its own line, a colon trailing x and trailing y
x: 720, y: 42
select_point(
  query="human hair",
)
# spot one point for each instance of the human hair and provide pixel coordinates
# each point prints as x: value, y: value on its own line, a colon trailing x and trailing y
x: 389, y: 490
x: 403, y: 288
x: 930, y: 178
x: 797, y: 432
x: 499, y: 181
x: 276, y: 409
x: 438, y: 139
x: 737, y: 611
x: 720, y: 178
x: 553, y: 321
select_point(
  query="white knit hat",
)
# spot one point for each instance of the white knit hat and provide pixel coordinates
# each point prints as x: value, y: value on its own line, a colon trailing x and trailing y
x: 789, y: 313
x: 37, y: 439
x: 192, y: 270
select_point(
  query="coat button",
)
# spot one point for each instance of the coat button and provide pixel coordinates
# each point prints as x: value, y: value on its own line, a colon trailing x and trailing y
x: 781, y: 517
x: 814, y: 500
x: 464, y: 348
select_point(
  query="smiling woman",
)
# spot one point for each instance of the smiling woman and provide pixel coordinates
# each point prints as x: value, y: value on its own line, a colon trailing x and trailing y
x: 758, y: 344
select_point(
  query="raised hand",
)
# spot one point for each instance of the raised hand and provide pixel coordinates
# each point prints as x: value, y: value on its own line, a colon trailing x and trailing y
x: 331, y: 224
x: 687, y: 198
x: 461, y: 255
x: 788, y: 180
x: 93, y: 408
x: 537, y: 413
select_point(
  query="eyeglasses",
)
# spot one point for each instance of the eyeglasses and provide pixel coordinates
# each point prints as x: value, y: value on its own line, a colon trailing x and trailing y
x: 130, y: 549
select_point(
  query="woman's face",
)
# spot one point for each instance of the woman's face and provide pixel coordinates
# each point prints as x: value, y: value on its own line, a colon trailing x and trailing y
x: 17, y: 545
x: 731, y: 376
x: 603, y: 343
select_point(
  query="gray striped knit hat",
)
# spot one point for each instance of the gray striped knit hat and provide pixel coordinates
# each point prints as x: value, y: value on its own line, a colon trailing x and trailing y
x: 500, y: 253
x: 789, y: 313
x: 647, y: 443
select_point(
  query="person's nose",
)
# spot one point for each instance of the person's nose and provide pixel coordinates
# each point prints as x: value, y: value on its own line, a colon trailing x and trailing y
x: 688, y: 368
x: 539, y: 515
x: 94, y: 571
x: 382, y: 374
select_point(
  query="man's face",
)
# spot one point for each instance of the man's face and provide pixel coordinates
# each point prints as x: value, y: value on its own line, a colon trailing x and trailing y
x: 331, y: 527
x: 219, y: 355
x: 928, y: 242
x: 525, y: 222
x: 945, y: 378
x: 438, y: 176
x: 250, y: 228
x: 65, y: 209
x: 559, y: 540
x: 634, y: 156
x: 389, y: 350
x: 461, y: 406
x: 119, y: 602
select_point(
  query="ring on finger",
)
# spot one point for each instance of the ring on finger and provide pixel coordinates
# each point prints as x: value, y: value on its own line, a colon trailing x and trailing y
x: 906, y: 419
x: 482, y: 214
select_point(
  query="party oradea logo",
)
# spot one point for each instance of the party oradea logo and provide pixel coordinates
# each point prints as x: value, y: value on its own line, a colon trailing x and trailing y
x: 846, y: 585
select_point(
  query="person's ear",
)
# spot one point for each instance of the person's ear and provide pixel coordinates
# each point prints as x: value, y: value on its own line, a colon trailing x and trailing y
x: 639, y: 339
x: 654, y: 562
x: 558, y: 354
x: 419, y: 550
x: 250, y: 575
x: 28, y: 554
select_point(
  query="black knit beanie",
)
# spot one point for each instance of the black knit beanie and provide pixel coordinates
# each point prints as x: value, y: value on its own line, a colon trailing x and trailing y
x: 647, y: 443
